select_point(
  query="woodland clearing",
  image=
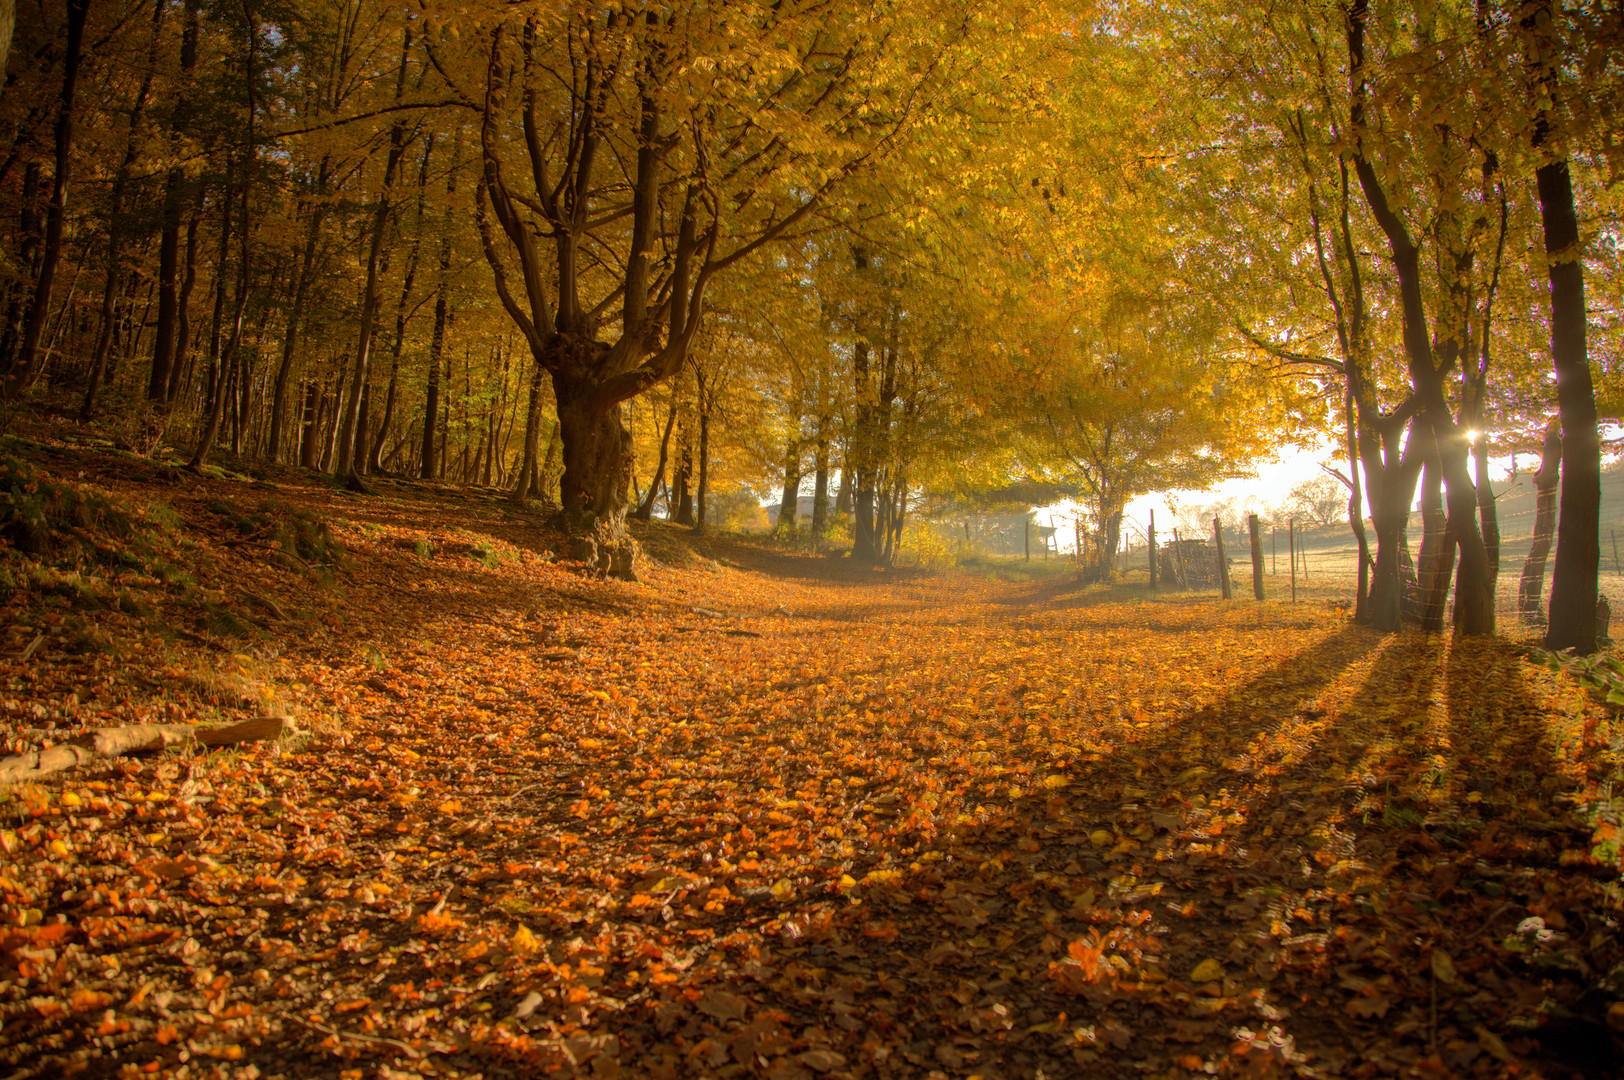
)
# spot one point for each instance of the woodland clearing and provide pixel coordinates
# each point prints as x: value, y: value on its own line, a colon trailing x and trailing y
x: 761, y: 814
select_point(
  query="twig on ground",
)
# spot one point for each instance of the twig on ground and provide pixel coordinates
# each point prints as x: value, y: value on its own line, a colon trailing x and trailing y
x: 267, y: 603
x: 337, y: 1034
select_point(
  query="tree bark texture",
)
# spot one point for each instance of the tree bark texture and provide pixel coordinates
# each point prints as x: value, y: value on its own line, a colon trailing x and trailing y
x: 1531, y: 586
x: 1257, y: 555
x: 1474, y: 593
x: 1574, y: 581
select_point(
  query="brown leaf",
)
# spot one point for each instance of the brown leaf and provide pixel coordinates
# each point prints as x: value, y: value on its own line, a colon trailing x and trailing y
x: 721, y: 1005
x: 822, y: 1060
x: 1368, y: 1005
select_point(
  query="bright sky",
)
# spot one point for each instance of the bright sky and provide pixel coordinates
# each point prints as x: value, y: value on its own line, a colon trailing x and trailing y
x: 1263, y: 492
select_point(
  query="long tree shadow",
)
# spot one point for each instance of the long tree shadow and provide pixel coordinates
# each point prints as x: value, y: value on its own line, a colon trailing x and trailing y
x: 1316, y: 852
x: 1430, y: 818
x: 991, y: 904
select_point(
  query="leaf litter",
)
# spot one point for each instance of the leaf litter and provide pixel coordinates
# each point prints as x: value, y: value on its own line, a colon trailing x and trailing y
x: 905, y: 826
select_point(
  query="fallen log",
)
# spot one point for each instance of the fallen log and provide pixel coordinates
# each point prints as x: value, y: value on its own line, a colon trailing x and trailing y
x: 106, y: 743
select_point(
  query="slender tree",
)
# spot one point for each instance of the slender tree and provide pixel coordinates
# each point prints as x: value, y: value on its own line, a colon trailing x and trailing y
x: 25, y: 365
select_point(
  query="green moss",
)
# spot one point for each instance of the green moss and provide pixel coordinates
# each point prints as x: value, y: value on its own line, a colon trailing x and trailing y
x: 162, y: 515
x: 489, y: 553
x: 297, y: 538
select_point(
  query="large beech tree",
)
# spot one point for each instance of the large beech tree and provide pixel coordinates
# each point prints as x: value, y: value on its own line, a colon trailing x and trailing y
x: 629, y: 157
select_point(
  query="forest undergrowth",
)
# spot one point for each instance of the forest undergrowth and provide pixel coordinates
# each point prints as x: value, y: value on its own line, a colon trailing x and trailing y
x: 759, y: 814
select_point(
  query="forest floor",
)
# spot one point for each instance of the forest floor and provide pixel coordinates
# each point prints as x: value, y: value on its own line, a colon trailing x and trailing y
x: 758, y: 814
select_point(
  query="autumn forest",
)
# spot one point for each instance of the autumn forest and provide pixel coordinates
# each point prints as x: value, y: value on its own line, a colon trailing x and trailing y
x: 558, y: 538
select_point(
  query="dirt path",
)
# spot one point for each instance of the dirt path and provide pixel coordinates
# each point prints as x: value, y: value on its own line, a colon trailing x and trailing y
x: 794, y: 822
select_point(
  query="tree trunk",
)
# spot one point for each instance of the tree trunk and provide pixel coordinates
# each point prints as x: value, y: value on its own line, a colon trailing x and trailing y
x: 820, y: 486
x: 329, y: 441
x: 501, y: 428
x: 646, y: 510
x: 597, y: 452
x: 26, y: 363
x: 381, y: 433
x: 218, y: 354
x: 180, y: 369
x: 363, y: 425
x: 702, y: 495
x: 431, y: 401
x: 1474, y: 596
x: 350, y: 423
x: 402, y: 312
x: 350, y: 451
x: 1427, y: 607
x: 530, y: 463
x: 290, y: 333
x: 442, y: 313
x: 541, y: 485
x: 8, y: 23
x: 863, y: 458
x: 164, y: 348
x: 1223, y: 559
x: 1531, y: 587
x: 1487, y: 512
x: 311, y: 422
x: 682, y: 499
x: 1150, y: 547
x: 1356, y: 513
x: 229, y: 359
x: 115, y: 229
x: 134, y: 324
x: 163, y: 338
x: 245, y: 399
x: 1257, y: 555
x: 899, y: 519
x: 28, y: 237
x: 1110, y: 538
x: 443, y: 465
x: 1575, y: 580
x: 597, y: 458
x: 1474, y: 585
x: 790, y: 494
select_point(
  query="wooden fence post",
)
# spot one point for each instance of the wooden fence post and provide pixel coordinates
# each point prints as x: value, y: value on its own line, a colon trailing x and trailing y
x: 1223, y: 563
x: 1291, y: 557
x: 1178, y: 560
x: 1257, y: 556
x: 1151, y: 545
